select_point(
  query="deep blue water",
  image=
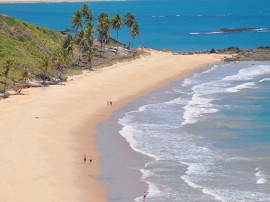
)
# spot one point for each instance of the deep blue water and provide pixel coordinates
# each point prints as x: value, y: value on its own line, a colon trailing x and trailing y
x: 175, y: 24
x: 209, y: 136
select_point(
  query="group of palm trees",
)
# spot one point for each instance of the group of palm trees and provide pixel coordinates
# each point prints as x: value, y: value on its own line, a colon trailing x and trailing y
x: 83, y: 23
x: 80, y: 44
x: 9, y: 67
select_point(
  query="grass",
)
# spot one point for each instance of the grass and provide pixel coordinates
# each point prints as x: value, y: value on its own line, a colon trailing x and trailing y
x: 26, y: 43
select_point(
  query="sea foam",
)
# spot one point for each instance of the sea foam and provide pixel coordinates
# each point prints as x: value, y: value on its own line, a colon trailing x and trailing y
x: 249, y: 73
x: 241, y: 87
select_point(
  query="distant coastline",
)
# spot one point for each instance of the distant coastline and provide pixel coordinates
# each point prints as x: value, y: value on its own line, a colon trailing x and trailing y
x: 50, y: 1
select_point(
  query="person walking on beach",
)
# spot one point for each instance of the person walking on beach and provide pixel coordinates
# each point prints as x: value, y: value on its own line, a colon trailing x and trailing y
x: 84, y: 158
x: 110, y: 103
x: 145, y: 195
x: 90, y: 160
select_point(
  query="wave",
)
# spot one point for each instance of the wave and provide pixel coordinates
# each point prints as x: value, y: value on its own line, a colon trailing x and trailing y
x: 201, y: 101
x: 249, y: 73
x: 199, y: 169
x: 241, y: 87
x: 213, y: 33
x: 159, y: 16
x: 257, y: 30
x: 194, y: 33
x: 196, y: 107
x: 265, y: 80
x: 128, y: 132
x: 261, y: 176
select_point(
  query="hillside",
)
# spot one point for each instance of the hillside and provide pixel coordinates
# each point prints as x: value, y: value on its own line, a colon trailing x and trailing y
x: 24, y: 42
x: 37, y: 54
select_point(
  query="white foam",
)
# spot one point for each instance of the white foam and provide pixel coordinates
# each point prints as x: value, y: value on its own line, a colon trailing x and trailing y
x: 128, y: 133
x: 241, y: 87
x: 214, y: 33
x: 194, y: 33
x: 199, y: 169
x: 261, y: 176
x: 249, y: 73
x: 196, y: 107
x: 264, y: 80
x: 210, y: 70
x: 262, y: 30
x: 153, y: 192
x: 158, y: 16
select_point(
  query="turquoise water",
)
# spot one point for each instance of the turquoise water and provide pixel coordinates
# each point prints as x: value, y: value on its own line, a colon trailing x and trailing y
x: 179, y: 25
x: 208, y: 135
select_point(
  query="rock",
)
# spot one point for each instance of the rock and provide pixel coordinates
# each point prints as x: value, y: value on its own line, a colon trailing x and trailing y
x: 212, y: 51
x: 166, y: 50
x: 34, y: 84
x: 3, y: 95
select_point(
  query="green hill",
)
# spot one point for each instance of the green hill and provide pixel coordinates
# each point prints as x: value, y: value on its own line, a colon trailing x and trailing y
x: 24, y: 42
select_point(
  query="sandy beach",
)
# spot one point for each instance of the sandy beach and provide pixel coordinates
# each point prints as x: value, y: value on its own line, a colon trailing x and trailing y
x: 46, y: 132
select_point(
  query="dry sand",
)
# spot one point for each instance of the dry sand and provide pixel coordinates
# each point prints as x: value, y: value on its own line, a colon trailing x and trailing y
x: 45, y: 133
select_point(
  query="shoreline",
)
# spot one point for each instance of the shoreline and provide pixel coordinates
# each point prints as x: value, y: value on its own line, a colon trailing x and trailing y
x: 119, y: 158
x: 47, y: 131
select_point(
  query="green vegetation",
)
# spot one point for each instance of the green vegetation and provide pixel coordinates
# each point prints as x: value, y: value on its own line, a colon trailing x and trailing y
x: 29, y: 51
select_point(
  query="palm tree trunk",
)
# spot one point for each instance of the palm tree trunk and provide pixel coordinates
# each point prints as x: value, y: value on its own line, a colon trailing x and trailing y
x: 5, y: 84
x: 100, y: 47
x: 117, y: 42
x: 129, y: 42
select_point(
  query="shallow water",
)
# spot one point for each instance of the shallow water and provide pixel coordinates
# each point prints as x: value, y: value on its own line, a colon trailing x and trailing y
x: 209, y: 136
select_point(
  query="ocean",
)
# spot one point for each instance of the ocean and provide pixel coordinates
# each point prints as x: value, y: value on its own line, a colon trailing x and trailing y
x: 208, y: 136
x: 180, y: 25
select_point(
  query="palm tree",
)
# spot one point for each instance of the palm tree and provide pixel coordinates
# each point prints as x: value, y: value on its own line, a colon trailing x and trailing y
x: 102, y: 16
x: 25, y: 75
x: 77, y: 21
x: 135, y: 30
x: 129, y: 21
x: 103, y: 29
x: 68, y: 46
x: 86, y: 13
x: 45, y: 68
x: 9, y: 63
x: 81, y: 42
x: 89, y: 31
x: 90, y: 54
x: 117, y: 24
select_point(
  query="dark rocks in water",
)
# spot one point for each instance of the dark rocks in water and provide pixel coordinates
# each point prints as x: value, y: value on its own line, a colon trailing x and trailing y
x: 212, y: 51
x: 225, y: 30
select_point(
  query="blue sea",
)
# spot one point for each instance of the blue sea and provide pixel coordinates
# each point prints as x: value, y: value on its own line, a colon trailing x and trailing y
x: 208, y: 136
x: 180, y: 25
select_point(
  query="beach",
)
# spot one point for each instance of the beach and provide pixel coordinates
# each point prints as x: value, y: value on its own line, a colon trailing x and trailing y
x: 46, y: 132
